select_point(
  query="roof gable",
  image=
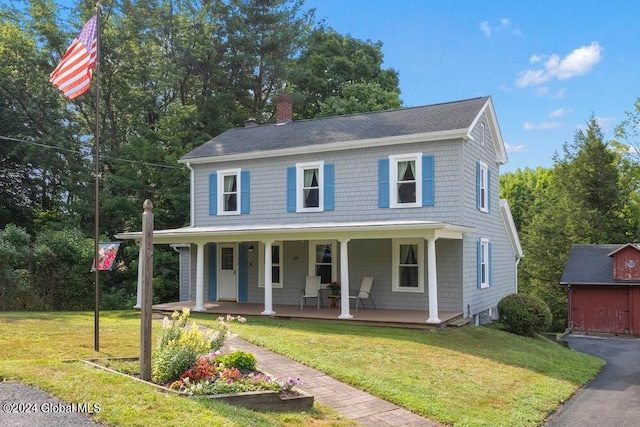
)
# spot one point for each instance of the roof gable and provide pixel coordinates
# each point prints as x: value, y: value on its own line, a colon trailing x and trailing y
x: 431, y: 122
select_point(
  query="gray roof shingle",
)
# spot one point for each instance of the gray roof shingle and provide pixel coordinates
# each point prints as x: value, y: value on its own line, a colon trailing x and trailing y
x: 379, y: 124
x: 590, y: 264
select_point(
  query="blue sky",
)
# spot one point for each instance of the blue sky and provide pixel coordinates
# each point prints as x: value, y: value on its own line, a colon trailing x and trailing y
x: 548, y: 65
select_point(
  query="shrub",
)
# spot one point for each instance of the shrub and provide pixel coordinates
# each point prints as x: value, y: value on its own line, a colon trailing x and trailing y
x: 238, y: 359
x: 523, y: 314
x: 178, y: 348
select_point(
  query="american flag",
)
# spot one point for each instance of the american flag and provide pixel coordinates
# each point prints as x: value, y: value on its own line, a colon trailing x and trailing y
x: 73, y: 75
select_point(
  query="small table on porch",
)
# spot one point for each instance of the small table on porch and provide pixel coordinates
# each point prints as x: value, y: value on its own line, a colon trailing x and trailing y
x: 334, y: 301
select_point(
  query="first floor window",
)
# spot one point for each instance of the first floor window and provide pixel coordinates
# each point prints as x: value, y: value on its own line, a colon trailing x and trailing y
x: 408, y: 265
x: 322, y: 261
x: 484, y: 263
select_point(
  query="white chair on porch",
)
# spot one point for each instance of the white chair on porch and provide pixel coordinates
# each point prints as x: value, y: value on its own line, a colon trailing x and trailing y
x: 364, y: 293
x: 311, y: 290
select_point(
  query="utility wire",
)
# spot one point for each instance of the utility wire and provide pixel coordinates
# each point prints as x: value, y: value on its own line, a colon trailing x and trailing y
x: 53, y: 147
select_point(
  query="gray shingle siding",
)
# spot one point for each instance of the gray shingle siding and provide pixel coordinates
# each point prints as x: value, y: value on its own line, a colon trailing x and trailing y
x: 356, y: 187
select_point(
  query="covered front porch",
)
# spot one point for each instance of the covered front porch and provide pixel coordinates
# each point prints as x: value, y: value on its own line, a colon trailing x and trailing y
x: 380, y: 317
x: 381, y: 249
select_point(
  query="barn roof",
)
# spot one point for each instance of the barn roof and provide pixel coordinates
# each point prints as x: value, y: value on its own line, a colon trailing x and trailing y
x: 590, y: 265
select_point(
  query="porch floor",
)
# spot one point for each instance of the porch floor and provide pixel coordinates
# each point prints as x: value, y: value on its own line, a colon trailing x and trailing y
x: 397, y: 318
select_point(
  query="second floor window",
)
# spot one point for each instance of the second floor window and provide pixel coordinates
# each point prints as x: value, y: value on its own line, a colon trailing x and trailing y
x: 482, y: 186
x: 406, y: 185
x: 310, y: 187
x: 228, y: 192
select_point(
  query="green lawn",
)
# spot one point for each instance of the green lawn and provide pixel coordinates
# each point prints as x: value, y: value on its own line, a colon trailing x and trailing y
x: 472, y: 376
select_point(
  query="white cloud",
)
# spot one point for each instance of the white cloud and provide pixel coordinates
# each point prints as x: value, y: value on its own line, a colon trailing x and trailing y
x: 542, y: 91
x: 485, y: 28
x: 577, y: 63
x: 535, y: 58
x: 504, y: 25
x: 515, y: 148
x: 560, y: 112
x: 541, y: 126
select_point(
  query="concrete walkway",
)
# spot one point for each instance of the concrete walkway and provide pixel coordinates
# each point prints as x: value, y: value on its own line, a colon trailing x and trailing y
x: 363, y: 408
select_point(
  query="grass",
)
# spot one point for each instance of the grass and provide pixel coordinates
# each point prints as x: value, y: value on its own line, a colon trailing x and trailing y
x: 34, y: 347
x: 472, y: 376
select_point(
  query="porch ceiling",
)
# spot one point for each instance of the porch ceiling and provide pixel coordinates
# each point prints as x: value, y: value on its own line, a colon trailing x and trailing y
x: 317, y: 231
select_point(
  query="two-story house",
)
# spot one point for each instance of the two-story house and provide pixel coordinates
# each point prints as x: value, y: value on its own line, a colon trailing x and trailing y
x: 408, y: 196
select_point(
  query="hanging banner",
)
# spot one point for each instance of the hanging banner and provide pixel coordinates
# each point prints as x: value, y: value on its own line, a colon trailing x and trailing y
x: 106, y: 256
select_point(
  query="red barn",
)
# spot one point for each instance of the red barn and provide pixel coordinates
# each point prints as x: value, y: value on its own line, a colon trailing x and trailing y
x: 603, y: 284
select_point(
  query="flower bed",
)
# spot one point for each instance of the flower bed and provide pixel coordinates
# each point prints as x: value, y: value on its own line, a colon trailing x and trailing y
x: 189, y: 361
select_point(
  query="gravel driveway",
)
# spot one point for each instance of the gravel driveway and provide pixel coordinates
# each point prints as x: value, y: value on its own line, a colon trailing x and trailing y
x: 613, y: 398
x: 23, y: 405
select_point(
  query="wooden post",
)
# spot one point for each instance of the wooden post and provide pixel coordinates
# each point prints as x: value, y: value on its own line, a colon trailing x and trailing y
x: 147, y: 290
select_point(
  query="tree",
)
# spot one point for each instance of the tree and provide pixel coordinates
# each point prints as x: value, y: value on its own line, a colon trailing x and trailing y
x: 341, y: 74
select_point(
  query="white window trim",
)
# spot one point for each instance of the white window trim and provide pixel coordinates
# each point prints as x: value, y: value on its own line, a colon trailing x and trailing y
x: 483, y: 134
x: 484, y: 266
x: 393, y: 179
x: 261, y: 251
x: 484, y: 196
x: 300, y: 168
x: 395, y: 281
x: 334, y: 257
x: 221, y: 175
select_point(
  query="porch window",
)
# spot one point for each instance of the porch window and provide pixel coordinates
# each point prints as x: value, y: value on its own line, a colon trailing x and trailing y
x: 408, y: 265
x: 276, y: 265
x: 323, y: 261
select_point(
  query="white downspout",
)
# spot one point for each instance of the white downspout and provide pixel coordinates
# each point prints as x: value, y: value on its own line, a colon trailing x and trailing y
x: 192, y: 195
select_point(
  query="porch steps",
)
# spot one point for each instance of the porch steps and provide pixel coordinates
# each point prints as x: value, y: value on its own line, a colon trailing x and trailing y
x: 460, y: 322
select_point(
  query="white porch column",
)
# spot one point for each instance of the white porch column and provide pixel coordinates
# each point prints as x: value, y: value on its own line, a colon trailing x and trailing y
x: 139, y: 291
x: 268, y: 280
x: 344, y: 280
x: 200, y: 278
x: 433, y: 281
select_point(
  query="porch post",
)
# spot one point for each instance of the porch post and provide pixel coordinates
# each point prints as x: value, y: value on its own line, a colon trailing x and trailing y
x: 344, y: 280
x: 200, y: 278
x: 268, y: 280
x: 139, y: 291
x: 433, y: 281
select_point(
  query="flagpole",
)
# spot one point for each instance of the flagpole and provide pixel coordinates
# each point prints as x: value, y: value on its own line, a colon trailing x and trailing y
x: 97, y: 186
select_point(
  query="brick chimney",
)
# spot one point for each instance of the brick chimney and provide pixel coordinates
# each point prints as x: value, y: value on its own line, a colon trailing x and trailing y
x: 284, y: 108
x: 251, y: 122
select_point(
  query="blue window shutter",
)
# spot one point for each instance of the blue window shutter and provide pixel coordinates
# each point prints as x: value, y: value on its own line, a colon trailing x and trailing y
x: 243, y: 272
x: 213, y: 194
x: 244, y: 192
x: 478, y: 185
x: 291, y: 189
x: 488, y: 190
x: 479, y: 256
x: 428, y: 175
x: 490, y: 263
x: 213, y: 272
x: 329, y: 193
x: 383, y: 183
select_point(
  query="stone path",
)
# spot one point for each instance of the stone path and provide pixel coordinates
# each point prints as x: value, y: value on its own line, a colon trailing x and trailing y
x: 363, y: 408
